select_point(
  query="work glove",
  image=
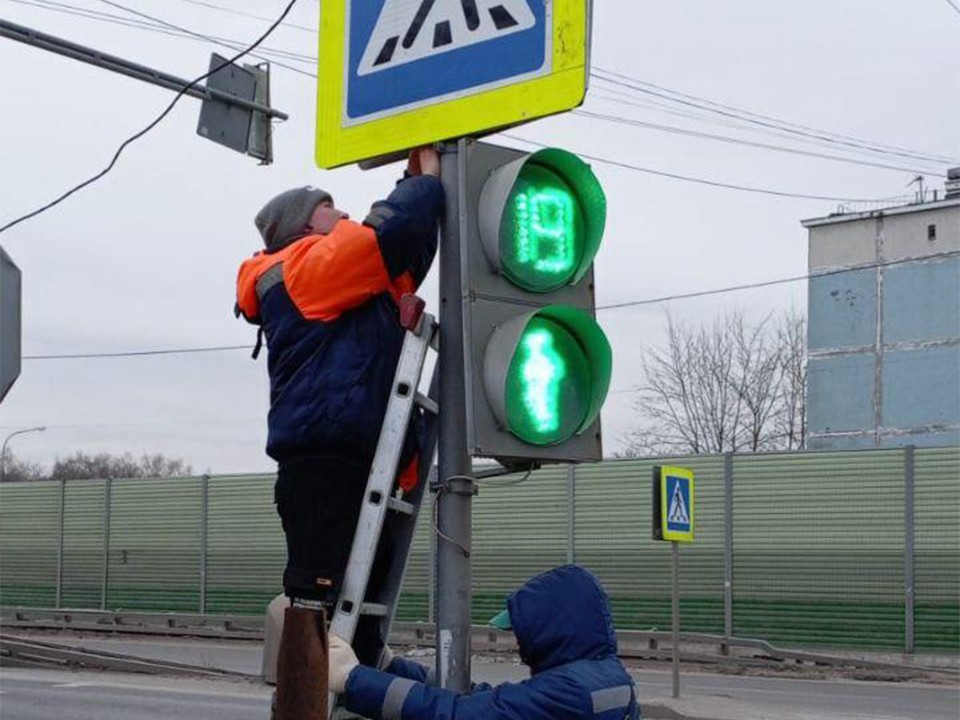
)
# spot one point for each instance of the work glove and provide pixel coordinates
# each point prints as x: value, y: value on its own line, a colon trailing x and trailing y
x: 342, y: 661
x: 386, y: 658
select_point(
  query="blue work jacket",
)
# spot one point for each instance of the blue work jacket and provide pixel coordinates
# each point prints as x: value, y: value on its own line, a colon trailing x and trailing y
x: 565, y: 633
x: 328, y: 307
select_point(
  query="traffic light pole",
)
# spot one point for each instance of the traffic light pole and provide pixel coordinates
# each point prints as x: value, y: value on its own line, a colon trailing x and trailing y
x: 455, y: 488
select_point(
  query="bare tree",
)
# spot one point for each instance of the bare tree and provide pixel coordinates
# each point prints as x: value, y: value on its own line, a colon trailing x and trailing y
x: 17, y: 470
x: 756, y: 377
x: 104, y: 465
x: 790, y: 422
x: 723, y: 388
x: 160, y: 466
x: 688, y: 400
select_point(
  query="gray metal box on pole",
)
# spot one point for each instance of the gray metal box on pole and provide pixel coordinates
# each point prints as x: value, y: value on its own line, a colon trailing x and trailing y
x: 238, y: 127
x: 10, y: 322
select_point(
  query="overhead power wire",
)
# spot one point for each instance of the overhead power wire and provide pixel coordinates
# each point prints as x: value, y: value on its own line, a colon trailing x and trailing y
x: 156, y: 121
x: 618, y: 97
x: 768, y: 283
x: 778, y: 122
x: 756, y: 118
x: 137, y: 353
x: 161, y: 27
x: 599, y: 308
x: 240, y: 13
x: 955, y: 7
x: 739, y: 141
x: 202, y: 36
x: 702, y: 181
x: 265, y: 53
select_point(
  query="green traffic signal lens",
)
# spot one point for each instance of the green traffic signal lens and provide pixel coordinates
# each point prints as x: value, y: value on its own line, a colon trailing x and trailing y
x: 542, y: 231
x: 548, y: 384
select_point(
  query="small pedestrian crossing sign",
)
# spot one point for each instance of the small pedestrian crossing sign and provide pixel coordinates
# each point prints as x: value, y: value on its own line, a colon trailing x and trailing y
x: 394, y: 74
x: 673, y: 503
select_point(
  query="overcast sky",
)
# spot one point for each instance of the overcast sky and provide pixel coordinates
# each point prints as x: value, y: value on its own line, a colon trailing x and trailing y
x: 146, y: 258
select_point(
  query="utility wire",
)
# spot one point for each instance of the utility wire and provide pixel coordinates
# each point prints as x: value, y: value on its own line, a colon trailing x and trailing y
x: 152, y: 124
x: 232, y: 46
x: 762, y: 120
x: 168, y: 30
x: 738, y: 141
x: 767, y: 283
x: 613, y: 306
x: 138, y: 353
x: 163, y: 27
x: 954, y: 6
x: 702, y: 181
x: 778, y: 121
x: 240, y: 13
x: 623, y: 98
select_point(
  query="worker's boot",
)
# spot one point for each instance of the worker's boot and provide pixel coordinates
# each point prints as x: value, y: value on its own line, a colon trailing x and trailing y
x: 302, y: 666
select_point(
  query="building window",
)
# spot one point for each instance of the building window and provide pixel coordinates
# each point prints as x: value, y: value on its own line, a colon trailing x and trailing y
x: 931, y: 232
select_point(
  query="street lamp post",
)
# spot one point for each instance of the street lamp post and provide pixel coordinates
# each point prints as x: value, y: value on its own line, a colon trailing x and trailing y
x: 3, y: 453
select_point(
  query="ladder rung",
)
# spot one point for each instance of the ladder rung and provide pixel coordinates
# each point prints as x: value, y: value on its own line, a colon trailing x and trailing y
x: 400, y: 506
x: 426, y: 403
x: 374, y: 609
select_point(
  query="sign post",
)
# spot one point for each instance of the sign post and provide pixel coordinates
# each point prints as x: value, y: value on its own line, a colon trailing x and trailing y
x: 673, y: 508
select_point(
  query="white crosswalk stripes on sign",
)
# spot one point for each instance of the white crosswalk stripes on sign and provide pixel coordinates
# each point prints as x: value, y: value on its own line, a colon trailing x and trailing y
x: 409, y: 30
x: 678, y: 508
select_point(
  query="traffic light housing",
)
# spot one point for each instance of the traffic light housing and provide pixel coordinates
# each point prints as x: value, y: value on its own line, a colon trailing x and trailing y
x: 537, y: 364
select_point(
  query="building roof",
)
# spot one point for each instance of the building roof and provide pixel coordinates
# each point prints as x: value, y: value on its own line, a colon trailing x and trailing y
x: 868, y: 214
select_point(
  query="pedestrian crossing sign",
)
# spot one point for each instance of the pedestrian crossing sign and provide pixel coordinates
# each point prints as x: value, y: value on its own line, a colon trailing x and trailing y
x: 673, y: 499
x: 395, y: 74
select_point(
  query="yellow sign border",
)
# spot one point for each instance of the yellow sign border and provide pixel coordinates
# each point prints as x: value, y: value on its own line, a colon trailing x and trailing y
x: 668, y: 534
x: 562, y: 90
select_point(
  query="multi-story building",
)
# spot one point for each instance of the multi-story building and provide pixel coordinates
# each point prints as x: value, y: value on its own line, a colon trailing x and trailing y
x: 884, y: 325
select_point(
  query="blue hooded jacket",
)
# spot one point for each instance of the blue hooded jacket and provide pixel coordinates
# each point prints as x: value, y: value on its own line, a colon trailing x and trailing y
x: 564, y: 629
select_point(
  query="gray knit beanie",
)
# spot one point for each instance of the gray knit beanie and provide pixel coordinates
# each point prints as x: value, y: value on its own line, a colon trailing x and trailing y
x: 284, y: 219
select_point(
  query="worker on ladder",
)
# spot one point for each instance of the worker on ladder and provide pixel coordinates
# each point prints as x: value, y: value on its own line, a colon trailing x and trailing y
x: 325, y: 293
x: 564, y: 630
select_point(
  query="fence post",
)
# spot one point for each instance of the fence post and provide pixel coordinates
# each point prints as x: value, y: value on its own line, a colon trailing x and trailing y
x: 59, y: 596
x: 908, y: 549
x: 727, y: 549
x: 105, y: 575
x: 203, y: 541
x: 571, y: 514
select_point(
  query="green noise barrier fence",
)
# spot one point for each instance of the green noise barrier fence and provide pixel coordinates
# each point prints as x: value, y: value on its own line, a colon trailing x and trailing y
x: 856, y: 549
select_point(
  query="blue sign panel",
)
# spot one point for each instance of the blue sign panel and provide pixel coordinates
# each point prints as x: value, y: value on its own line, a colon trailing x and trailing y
x: 679, y: 517
x: 405, y: 53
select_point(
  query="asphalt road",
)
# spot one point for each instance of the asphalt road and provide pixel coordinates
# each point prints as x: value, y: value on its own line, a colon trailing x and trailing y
x: 33, y: 694
x: 48, y: 695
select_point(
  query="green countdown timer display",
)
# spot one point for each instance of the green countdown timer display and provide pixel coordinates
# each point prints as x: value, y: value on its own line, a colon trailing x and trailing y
x: 542, y: 236
x: 541, y: 220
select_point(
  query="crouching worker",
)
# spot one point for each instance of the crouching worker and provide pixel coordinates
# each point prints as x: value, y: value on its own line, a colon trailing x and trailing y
x: 564, y: 629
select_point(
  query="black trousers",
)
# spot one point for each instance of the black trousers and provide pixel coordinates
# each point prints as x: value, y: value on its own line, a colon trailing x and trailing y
x: 319, y: 505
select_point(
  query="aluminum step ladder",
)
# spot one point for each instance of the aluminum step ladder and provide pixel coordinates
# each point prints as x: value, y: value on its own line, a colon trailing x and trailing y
x: 389, y: 515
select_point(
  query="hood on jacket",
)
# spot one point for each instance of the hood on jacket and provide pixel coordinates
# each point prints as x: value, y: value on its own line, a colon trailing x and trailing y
x: 561, y: 616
